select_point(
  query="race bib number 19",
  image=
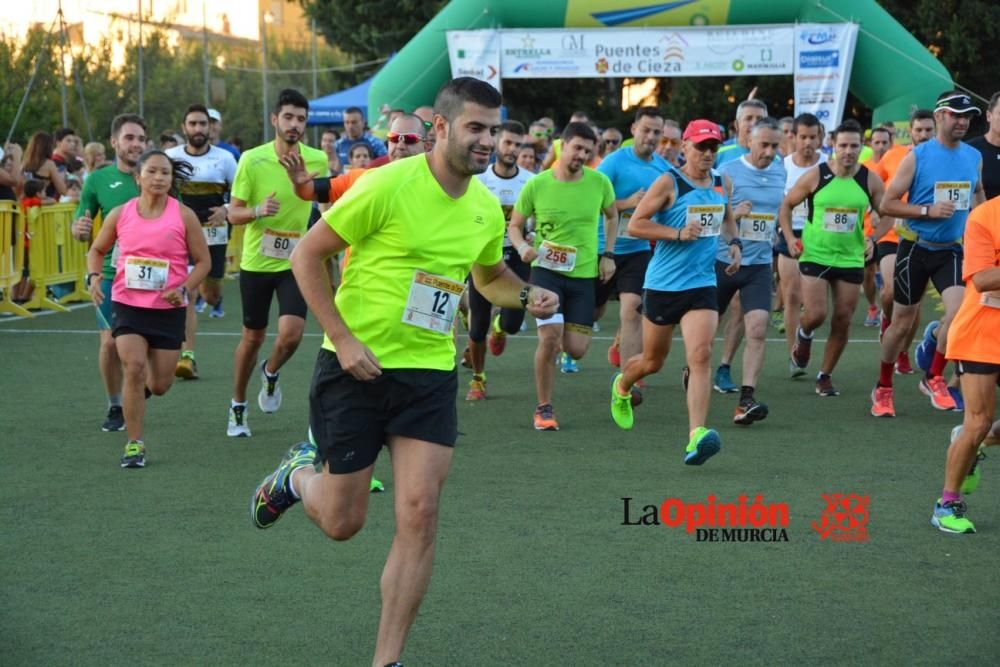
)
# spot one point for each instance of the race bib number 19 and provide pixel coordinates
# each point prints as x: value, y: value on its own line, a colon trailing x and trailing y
x: 433, y: 302
x: 216, y: 235
x: 958, y: 193
x: 146, y: 273
x: 561, y: 258
x: 708, y: 217
x: 278, y: 244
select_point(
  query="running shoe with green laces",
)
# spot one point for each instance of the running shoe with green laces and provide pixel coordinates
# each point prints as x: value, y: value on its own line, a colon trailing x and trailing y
x: 949, y: 517
x: 272, y: 496
x: 778, y: 320
x: 568, y: 364
x: 705, y: 443
x: 498, y: 337
x: 135, y: 455
x: 971, y: 481
x: 621, y: 406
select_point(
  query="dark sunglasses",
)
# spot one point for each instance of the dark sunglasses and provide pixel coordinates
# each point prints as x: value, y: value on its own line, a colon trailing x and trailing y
x: 613, y: 142
x: 408, y: 138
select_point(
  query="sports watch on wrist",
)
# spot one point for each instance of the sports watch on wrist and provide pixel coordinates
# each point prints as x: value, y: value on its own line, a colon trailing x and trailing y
x: 523, y: 296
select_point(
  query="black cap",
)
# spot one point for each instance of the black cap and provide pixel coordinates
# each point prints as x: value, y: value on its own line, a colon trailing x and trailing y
x: 956, y: 102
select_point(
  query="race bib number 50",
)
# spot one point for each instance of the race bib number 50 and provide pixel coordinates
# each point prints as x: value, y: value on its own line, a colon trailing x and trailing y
x: 146, y: 273
x: 709, y: 218
x: 278, y: 244
x: 433, y: 302
x: 757, y: 227
x: 957, y: 192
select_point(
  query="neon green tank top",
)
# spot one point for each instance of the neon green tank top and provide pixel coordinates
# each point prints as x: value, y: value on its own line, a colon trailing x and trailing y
x: 834, y: 233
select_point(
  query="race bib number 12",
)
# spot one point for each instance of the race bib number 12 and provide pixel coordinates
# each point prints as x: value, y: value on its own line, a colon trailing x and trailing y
x: 433, y: 302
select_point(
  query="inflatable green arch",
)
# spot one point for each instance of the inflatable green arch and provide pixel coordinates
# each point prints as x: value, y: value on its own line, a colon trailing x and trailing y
x: 888, y: 79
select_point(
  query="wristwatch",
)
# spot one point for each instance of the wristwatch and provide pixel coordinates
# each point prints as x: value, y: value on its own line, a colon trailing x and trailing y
x: 89, y: 276
x: 736, y: 242
x: 924, y: 211
x: 523, y: 296
x: 608, y: 255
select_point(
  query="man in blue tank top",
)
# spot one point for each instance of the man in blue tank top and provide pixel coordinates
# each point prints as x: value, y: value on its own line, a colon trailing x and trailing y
x: 941, y: 179
x: 685, y: 212
x: 758, y: 187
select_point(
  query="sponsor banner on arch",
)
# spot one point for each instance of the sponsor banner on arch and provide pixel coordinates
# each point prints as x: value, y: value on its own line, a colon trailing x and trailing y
x: 663, y: 52
x: 823, y: 56
x: 475, y: 53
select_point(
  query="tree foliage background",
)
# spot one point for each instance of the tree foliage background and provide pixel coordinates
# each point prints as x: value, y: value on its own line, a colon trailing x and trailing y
x: 961, y: 34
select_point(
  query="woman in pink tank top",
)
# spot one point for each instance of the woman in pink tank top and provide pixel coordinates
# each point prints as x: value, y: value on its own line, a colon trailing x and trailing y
x: 155, y: 236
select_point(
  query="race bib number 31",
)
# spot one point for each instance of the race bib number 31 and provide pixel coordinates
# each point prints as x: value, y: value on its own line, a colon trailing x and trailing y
x: 278, y: 244
x: 554, y: 257
x: 757, y: 227
x: 216, y: 235
x: 433, y: 302
x: 146, y: 273
x: 840, y: 220
x: 957, y: 192
x: 709, y: 218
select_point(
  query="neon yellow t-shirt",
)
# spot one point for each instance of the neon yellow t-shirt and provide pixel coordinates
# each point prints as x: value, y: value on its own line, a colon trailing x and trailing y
x: 567, y: 214
x: 259, y: 174
x: 412, y: 247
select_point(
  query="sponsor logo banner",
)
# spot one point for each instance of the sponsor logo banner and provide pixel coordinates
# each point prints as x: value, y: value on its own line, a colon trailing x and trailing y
x: 823, y: 56
x: 475, y: 53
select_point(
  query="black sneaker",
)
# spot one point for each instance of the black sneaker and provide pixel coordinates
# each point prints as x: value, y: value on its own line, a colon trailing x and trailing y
x: 115, y: 420
x: 749, y: 412
x: 135, y: 455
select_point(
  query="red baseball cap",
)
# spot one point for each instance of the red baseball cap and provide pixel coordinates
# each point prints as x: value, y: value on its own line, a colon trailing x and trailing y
x: 701, y: 130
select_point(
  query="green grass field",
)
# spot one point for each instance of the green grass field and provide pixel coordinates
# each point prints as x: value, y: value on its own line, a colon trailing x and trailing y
x: 161, y: 566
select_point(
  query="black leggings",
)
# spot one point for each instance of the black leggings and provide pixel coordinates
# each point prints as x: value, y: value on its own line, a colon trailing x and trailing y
x: 479, y: 308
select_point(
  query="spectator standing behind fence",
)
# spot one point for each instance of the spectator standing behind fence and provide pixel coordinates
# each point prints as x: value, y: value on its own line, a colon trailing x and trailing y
x: 94, y: 157
x: 11, y: 178
x: 38, y: 164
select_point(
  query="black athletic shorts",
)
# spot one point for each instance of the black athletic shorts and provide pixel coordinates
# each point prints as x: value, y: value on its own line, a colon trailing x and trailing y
x: 753, y: 282
x: 885, y: 248
x: 916, y: 266
x: 780, y: 246
x: 576, y: 297
x: 163, y: 328
x: 630, y: 274
x: 831, y: 274
x: 978, y: 368
x: 665, y: 308
x: 351, y: 419
x: 256, y: 291
x: 480, y: 308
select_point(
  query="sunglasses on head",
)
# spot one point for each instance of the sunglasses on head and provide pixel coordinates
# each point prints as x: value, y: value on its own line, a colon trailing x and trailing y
x: 408, y: 138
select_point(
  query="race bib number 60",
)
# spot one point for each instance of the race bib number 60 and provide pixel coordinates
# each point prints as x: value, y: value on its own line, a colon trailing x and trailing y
x: 957, y: 192
x: 278, y: 244
x: 146, y: 273
x: 433, y: 302
x: 708, y: 218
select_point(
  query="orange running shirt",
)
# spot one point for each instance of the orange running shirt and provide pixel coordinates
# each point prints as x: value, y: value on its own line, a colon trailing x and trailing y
x: 886, y: 170
x: 974, y: 334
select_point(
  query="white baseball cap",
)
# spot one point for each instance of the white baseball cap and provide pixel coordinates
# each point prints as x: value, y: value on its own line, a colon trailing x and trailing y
x: 213, y: 114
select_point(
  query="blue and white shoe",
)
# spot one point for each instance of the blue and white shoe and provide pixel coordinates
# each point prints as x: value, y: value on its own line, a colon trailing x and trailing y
x: 724, y: 381
x: 568, y: 364
x: 217, y: 310
x: 956, y: 395
x: 272, y: 497
x: 927, y: 347
x: 200, y: 305
x: 704, y: 444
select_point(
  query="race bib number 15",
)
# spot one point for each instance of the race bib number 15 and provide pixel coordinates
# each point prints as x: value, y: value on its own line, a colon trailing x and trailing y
x: 958, y: 193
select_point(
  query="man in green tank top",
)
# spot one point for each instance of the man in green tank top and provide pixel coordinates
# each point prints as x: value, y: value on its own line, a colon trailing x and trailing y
x: 833, y: 248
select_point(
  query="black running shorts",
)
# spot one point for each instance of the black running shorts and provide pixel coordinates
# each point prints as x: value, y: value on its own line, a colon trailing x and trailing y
x: 916, y: 266
x: 576, y: 295
x: 630, y: 274
x: 351, y: 419
x: 664, y: 308
x: 256, y: 291
x: 855, y: 276
x: 753, y: 282
x: 163, y: 328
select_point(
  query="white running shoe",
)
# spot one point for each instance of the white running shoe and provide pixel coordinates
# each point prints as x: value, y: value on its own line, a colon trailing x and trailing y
x: 238, y: 427
x: 269, y: 398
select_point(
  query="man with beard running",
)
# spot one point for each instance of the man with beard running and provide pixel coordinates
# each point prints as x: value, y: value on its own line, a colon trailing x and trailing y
x: 205, y: 192
x: 264, y: 200
x: 505, y: 180
x: 104, y: 190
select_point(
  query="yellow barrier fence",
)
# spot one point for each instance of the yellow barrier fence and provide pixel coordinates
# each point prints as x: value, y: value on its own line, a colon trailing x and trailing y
x: 55, y: 257
x: 234, y: 250
x: 11, y: 255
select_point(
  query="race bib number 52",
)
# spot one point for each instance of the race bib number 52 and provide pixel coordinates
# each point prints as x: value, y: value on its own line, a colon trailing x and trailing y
x: 708, y: 218
x: 433, y: 302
